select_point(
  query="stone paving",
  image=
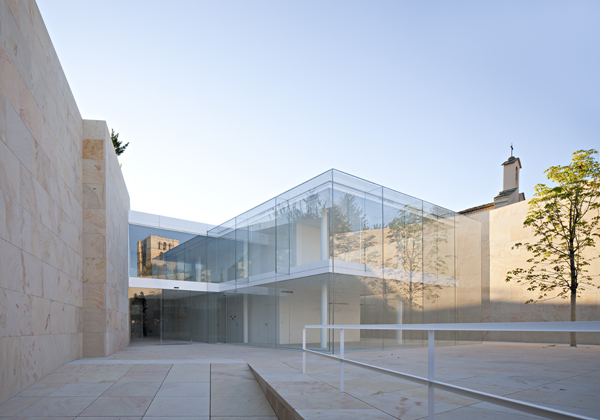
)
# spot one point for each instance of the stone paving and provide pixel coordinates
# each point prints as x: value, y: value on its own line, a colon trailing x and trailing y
x: 202, y: 381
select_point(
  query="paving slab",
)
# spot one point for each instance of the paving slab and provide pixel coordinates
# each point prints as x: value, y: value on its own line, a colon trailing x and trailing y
x: 132, y: 389
x: 81, y: 390
x: 562, y: 378
x: 179, y: 406
x: 118, y: 406
x: 57, y: 406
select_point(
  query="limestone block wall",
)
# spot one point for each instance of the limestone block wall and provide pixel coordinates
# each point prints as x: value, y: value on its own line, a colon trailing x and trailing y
x: 57, y: 238
x: 506, y: 300
x: 105, y: 232
x: 41, y: 247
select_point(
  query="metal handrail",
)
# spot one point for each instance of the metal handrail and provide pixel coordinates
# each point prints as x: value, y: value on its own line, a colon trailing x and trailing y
x: 432, y: 384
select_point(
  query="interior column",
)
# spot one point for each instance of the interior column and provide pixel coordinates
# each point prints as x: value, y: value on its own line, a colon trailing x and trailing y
x: 324, y: 307
x: 245, y: 313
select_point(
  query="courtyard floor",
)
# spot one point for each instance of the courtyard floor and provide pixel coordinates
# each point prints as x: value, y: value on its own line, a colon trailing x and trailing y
x: 202, y: 381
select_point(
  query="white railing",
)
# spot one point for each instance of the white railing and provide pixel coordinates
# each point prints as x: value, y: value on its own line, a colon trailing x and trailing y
x: 432, y: 384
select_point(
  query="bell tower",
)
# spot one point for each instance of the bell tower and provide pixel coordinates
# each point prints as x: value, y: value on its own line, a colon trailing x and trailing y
x: 510, y: 184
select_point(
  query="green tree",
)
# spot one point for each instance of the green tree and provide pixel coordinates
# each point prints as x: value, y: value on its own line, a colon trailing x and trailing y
x: 565, y: 221
x: 117, y: 144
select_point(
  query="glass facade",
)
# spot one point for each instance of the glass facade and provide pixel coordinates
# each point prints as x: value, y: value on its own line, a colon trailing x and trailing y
x: 336, y: 249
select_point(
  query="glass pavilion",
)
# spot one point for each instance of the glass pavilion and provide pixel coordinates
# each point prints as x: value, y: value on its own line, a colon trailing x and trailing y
x: 336, y: 249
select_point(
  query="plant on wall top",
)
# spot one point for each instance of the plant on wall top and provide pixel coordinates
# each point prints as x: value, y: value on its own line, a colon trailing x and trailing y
x: 117, y: 144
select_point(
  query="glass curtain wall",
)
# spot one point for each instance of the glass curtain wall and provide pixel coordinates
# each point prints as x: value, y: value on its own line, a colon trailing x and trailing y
x: 337, y: 249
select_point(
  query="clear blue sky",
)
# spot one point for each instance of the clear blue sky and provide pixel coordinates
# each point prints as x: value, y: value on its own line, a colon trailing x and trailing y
x: 229, y: 103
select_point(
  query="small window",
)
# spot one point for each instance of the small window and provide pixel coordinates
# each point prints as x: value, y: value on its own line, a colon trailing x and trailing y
x: 165, y: 246
x: 516, y: 177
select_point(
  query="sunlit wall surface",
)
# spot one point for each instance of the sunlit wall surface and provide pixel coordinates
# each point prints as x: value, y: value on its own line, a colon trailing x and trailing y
x: 336, y: 249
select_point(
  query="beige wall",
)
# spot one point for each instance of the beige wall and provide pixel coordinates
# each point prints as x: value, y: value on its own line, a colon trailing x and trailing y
x: 40, y: 205
x: 506, y: 300
x: 43, y: 240
x: 105, y: 232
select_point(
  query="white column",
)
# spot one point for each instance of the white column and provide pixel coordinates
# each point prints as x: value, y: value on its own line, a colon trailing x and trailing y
x: 245, y: 312
x: 341, y: 358
x: 399, y: 320
x: 324, y: 307
x: 324, y: 236
x: 303, y: 350
x: 430, y: 374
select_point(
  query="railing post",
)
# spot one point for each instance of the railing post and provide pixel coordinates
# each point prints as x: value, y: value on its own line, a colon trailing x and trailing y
x: 303, y: 350
x: 342, y: 360
x: 430, y: 374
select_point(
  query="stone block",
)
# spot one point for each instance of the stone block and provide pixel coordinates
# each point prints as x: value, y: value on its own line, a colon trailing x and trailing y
x: 94, y: 245
x: 94, y: 171
x: 32, y: 274
x: 10, y: 172
x: 32, y: 353
x: 9, y: 79
x: 10, y: 360
x: 94, y: 344
x: 95, y: 130
x: 94, y: 221
x: 40, y: 319
x: 94, y: 196
x: 94, y: 320
x: 17, y: 223
x: 19, y: 139
x: 94, y: 270
x: 12, y: 267
x: 58, y: 318
x: 27, y: 191
x: 94, y: 295
x: 93, y: 149
x: 30, y: 113
x: 2, y: 117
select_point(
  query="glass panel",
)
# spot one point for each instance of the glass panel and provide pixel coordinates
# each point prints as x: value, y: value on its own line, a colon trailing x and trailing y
x: 261, y: 239
x: 199, y: 317
x: 145, y: 308
x: 176, y: 316
x: 241, y: 248
x: 357, y: 224
x: 147, y: 243
x: 304, y: 301
x: 304, y: 209
x: 283, y: 221
x: 468, y: 273
x: 438, y: 265
x: 225, y: 252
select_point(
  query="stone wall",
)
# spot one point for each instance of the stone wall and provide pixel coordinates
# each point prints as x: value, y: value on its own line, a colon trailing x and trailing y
x: 506, y: 300
x: 40, y: 205
x: 105, y: 233
x: 43, y: 239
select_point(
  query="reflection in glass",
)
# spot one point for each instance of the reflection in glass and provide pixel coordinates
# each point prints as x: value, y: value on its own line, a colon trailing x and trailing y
x: 336, y: 249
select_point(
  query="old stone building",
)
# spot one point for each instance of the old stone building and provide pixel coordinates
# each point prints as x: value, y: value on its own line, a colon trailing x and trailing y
x: 150, y: 248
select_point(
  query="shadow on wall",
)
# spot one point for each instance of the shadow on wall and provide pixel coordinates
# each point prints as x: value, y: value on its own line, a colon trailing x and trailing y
x: 502, y: 311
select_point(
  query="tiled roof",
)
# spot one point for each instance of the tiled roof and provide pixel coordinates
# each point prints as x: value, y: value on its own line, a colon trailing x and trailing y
x: 476, y: 209
x: 510, y: 160
x: 505, y: 193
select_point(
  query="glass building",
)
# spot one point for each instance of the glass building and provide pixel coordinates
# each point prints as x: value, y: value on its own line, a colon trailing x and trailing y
x: 336, y: 249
